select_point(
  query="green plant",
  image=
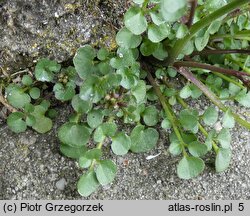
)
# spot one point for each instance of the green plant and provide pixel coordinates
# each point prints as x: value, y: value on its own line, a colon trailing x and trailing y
x: 156, y: 49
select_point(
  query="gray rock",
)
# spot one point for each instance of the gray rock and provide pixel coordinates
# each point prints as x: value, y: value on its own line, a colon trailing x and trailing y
x: 60, y: 185
x: 31, y: 29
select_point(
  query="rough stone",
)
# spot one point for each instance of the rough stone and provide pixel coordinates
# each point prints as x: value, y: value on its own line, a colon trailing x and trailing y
x: 31, y: 29
x: 60, y: 185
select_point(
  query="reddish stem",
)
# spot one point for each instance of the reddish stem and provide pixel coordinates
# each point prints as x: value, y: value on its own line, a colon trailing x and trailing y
x: 215, y: 52
x: 192, y: 12
x: 211, y: 68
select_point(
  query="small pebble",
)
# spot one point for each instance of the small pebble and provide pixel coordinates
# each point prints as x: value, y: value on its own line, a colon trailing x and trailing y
x: 60, y: 185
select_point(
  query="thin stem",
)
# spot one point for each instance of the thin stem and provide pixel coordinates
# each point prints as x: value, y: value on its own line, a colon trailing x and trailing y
x: 93, y: 163
x: 20, y: 72
x: 99, y: 146
x: 166, y: 108
x: 210, y: 67
x: 192, y: 12
x: 185, y: 105
x: 238, y: 63
x: 238, y: 35
x: 189, y: 76
x: 78, y: 117
x: 236, y: 13
x: 216, y: 52
x: 180, y: 44
x: 229, y: 79
x: 231, y: 72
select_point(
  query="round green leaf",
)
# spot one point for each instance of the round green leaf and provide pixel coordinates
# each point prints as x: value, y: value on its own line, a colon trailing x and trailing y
x: 87, y: 184
x: 105, y: 68
x: 83, y: 61
x: 171, y: 72
x: 45, y: 104
x: 109, y: 128
x: 30, y: 120
x: 228, y: 120
x: 92, y: 89
x: 173, y: 15
x: 72, y: 152
x: 166, y: 124
x: 95, y: 118
x: 212, y: 5
x: 189, y: 48
x: 79, y: 105
x: 99, y: 136
x: 243, y: 98
x: 201, y: 42
x: 210, y: 116
x: 190, y: 167
x: 185, y: 92
x: 27, y: 80
x: 182, y: 31
x: 17, y: 98
x: 64, y: 92
x: 139, y: 91
x: 214, y: 26
x: 195, y: 91
x: 52, y: 113
x: 224, y: 138
x: 45, y: 69
x: 16, y: 123
x: 223, y: 158
x: 102, y: 54
x: 29, y: 108
x: 121, y: 143
x: 84, y: 162
x: 93, y: 154
x: 197, y: 149
x: 73, y: 134
x: 188, y: 120
x: 150, y: 116
x: 106, y: 172
x: 129, y: 78
x: 143, y: 140
x: 34, y: 93
x: 158, y: 33
x: 175, y: 148
x: 106, y: 129
x: 135, y: 21
x: 157, y: 18
x: 42, y: 123
x: 190, y: 90
x: 147, y: 48
x: 170, y: 6
x: 161, y: 52
x: 209, y: 140
x: 127, y: 39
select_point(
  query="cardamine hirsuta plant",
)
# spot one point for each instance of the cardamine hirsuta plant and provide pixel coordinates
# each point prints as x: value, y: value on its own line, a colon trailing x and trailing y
x: 167, y: 52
